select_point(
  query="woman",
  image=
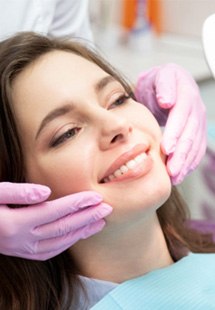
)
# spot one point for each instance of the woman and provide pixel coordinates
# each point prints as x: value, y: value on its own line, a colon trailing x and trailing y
x: 168, y: 91
x: 69, y: 121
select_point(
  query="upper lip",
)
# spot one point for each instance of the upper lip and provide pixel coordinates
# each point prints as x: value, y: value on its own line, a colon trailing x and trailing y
x: 125, y: 157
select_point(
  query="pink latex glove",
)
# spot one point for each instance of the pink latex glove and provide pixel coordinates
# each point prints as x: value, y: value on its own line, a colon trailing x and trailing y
x: 172, y: 95
x: 47, y: 228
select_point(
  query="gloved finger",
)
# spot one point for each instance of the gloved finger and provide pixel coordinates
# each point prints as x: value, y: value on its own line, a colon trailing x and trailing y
x: 145, y: 82
x: 176, y: 122
x: 51, y: 247
x: 53, y: 210
x: 200, y: 143
x: 176, y: 161
x: 184, y: 172
x: 199, y: 147
x: 148, y: 84
x: 23, y: 193
x: 166, y: 87
x: 73, y: 222
x: 193, y: 158
x: 144, y: 91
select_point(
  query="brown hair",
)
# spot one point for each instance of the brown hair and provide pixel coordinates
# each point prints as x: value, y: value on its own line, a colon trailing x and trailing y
x: 32, y: 285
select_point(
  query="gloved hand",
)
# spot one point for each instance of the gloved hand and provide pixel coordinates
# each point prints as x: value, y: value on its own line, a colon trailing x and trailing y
x: 45, y: 229
x: 173, y: 97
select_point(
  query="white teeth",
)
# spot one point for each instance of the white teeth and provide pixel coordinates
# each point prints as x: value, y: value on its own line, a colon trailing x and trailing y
x: 131, y: 164
x: 140, y: 158
x: 124, y: 168
x: 111, y: 177
x: 117, y: 173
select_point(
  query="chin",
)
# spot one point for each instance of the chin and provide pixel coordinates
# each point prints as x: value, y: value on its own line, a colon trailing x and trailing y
x: 138, y: 200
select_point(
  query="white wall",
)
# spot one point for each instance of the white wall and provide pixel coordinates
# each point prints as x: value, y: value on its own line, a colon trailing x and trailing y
x: 185, y: 16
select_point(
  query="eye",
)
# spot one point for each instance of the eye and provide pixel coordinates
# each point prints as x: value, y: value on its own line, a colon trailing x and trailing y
x: 67, y: 135
x: 120, y: 101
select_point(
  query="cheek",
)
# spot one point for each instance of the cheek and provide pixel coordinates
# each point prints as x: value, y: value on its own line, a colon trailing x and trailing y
x: 144, y: 120
x: 63, y: 173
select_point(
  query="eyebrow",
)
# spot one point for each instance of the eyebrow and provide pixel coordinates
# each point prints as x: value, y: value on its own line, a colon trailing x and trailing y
x: 53, y: 115
x: 104, y: 82
x: 63, y: 110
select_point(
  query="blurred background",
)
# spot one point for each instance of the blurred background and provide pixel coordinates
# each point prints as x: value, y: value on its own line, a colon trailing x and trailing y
x: 136, y: 35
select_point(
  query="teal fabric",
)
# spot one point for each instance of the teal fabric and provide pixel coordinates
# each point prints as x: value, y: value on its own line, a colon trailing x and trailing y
x: 188, y: 284
x: 211, y: 130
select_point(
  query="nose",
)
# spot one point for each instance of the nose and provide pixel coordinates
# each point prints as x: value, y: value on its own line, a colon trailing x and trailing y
x: 113, y: 130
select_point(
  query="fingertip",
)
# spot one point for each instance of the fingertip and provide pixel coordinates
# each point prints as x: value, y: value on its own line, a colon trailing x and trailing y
x: 97, y: 197
x: 37, y: 193
x: 98, y: 226
x: 179, y: 175
x: 173, y: 171
x: 165, y: 102
x: 105, y: 209
x: 90, y: 197
x: 168, y: 142
x: 173, y: 168
x: 166, y: 86
x: 176, y: 180
x: 168, y: 146
x: 99, y: 211
x: 166, y: 94
x: 93, y: 229
x: 43, y: 189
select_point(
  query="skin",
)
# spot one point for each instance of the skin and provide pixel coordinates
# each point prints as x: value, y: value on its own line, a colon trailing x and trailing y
x: 74, y: 149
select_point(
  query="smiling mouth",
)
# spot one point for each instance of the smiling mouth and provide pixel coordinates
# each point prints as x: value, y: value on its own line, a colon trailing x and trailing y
x: 134, y: 168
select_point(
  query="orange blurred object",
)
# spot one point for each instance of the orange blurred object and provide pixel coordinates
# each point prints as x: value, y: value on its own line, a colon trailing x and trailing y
x: 129, y: 13
x: 154, y: 15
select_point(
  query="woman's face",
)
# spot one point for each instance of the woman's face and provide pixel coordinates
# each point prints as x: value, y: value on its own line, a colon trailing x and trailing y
x: 80, y: 132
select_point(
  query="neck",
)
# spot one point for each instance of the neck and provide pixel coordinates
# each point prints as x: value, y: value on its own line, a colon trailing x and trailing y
x: 126, y: 252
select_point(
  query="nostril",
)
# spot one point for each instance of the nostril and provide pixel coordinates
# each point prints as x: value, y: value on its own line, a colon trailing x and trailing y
x: 116, y: 138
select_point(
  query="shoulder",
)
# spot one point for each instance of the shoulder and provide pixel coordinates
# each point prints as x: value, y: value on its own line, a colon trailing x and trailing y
x: 193, y: 266
x: 198, y: 260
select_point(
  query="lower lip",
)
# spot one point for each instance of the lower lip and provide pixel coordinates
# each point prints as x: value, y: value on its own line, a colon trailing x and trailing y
x: 140, y: 170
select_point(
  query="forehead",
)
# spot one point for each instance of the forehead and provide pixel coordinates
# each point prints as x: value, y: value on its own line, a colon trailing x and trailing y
x: 59, y: 64
x: 55, y: 73
x: 54, y: 78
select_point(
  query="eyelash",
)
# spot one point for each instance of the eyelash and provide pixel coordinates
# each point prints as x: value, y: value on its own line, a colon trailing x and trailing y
x: 71, y: 132
x: 120, y: 100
